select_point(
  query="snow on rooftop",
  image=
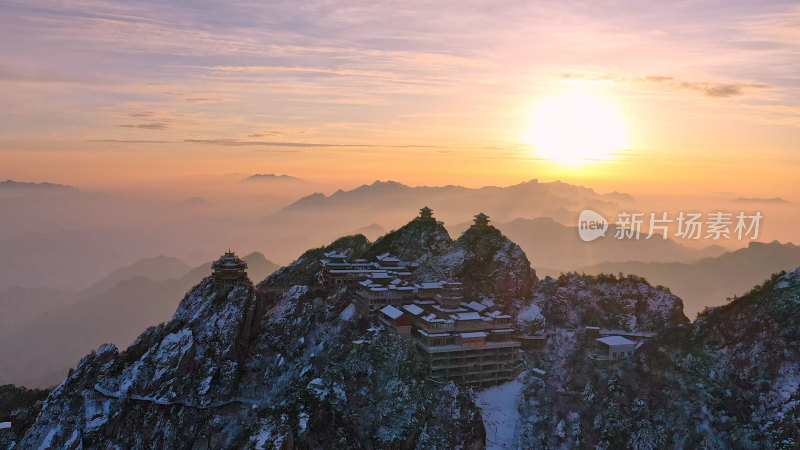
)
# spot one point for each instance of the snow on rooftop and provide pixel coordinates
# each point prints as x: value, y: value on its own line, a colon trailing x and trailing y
x: 449, y: 309
x: 425, y: 333
x: 615, y: 340
x: 436, y: 285
x: 346, y: 271
x: 4, y: 425
x: 467, y: 316
x: 434, y: 318
x: 474, y: 334
x: 413, y: 309
x: 348, y: 312
x: 392, y: 312
x: 475, y: 306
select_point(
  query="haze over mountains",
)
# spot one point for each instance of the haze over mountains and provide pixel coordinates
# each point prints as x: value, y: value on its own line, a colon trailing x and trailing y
x: 555, y: 248
x: 272, y: 178
x: 44, y: 332
x: 710, y: 281
x: 265, y: 368
x: 59, y: 247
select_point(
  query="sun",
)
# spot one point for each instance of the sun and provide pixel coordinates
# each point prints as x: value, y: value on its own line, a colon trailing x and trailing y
x: 576, y: 128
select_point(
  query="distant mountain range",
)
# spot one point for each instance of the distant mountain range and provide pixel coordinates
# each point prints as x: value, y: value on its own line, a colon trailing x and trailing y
x: 528, y: 199
x: 554, y: 247
x: 371, y: 232
x: 710, y: 281
x: 319, y: 218
x: 777, y: 200
x: 36, y: 350
x: 10, y: 186
x: 271, y: 177
x: 283, y: 365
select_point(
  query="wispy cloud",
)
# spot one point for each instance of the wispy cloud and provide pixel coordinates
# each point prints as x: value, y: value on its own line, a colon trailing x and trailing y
x: 445, y: 75
x: 705, y: 88
x: 147, y: 126
x: 240, y: 143
x: 203, y: 100
x: 320, y: 70
x: 226, y: 142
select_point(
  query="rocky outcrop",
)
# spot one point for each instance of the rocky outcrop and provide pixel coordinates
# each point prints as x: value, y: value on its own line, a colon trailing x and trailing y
x: 246, y: 370
x: 489, y: 264
x: 176, y: 381
x: 414, y: 242
x: 305, y: 269
x: 730, y: 380
x: 628, y: 303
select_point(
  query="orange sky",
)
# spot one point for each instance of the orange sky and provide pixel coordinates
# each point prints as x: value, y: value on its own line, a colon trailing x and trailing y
x: 105, y: 95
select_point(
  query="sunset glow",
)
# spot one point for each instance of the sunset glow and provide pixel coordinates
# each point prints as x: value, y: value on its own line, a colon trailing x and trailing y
x: 576, y: 129
x: 528, y: 90
x: 419, y: 224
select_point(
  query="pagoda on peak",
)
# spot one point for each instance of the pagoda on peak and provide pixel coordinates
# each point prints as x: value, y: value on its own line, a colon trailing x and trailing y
x: 481, y: 220
x: 426, y: 213
x: 228, y: 270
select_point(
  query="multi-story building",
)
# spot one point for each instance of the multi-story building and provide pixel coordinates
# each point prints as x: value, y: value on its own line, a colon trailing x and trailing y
x: 466, y: 342
x: 228, y: 270
x: 462, y: 342
x: 382, y: 289
x: 337, y: 271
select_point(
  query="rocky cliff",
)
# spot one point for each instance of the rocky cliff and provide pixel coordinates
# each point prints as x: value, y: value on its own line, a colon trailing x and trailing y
x: 729, y: 380
x: 489, y: 264
x: 626, y: 303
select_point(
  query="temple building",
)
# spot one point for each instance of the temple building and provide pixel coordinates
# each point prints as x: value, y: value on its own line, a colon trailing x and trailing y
x: 481, y: 220
x: 425, y: 214
x: 465, y: 342
x: 337, y: 271
x: 228, y: 270
x: 613, y: 348
x: 462, y: 341
x: 382, y: 289
x: 450, y: 294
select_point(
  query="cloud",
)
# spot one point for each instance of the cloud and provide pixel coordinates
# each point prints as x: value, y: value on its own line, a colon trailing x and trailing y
x: 240, y: 143
x: 705, y: 88
x: 203, y: 100
x: 709, y: 88
x: 147, y: 126
x: 776, y: 28
x: 320, y: 70
x: 133, y: 141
